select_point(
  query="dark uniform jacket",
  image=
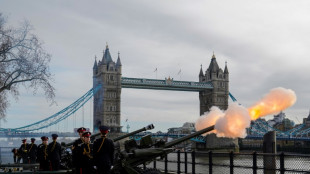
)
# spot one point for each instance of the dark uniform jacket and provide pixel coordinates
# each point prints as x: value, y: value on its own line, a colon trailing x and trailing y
x: 54, y: 155
x: 42, y: 153
x: 23, y: 151
x: 76, y: 153
x: 54, y: 151
x: 42, y: 157
x: 32, y: 152
x: 87, y: 156
x: 103, y: 152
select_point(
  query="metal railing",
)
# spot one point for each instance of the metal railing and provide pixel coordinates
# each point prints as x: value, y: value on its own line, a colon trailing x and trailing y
x: 221, y: 163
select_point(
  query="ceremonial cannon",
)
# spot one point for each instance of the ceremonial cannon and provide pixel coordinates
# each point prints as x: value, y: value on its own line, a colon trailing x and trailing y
x: 134, y: 155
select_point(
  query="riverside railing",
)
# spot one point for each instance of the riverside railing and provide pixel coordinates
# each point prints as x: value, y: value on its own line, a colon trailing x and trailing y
x: 219, y: 163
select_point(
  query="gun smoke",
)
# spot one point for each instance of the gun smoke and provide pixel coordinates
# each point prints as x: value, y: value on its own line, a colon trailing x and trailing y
x: 234, y: 121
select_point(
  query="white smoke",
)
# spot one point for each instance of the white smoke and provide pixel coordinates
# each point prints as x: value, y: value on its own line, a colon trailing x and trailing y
x: 229, y: 123
x: 234, y: 121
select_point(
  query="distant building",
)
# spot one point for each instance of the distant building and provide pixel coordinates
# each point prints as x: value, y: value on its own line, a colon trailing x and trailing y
x: 286, y: 125
x: 187, y: 128
x: 278, y: 122
x: 277, y: 119
x: 306, y: 121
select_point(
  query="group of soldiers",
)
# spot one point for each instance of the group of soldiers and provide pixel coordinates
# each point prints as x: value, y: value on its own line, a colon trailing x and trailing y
x: 87, y: 157
x: 94, y: 157
x: 48, y: 155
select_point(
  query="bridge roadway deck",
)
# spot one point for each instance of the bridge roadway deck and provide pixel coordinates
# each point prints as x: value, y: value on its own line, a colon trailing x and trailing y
x: 167, y: 84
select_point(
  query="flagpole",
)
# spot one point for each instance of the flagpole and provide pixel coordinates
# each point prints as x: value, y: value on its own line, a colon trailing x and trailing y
x: 156, y: 72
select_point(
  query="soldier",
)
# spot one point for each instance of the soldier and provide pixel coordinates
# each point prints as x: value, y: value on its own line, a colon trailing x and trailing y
x: 103, y: 152
x: 54, y: 153
x: 16, y: 155
x: 23, y: 151
x: 32, y: 152
x: 77, y: 150
x: 43, y: 155
x: 87, y: 155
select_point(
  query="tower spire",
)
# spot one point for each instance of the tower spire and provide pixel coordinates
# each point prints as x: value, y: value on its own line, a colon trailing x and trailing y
x: 104, y: 61
x: 107, y: 55
x: 226, y: 69
x: 95, y: 64
x: 201, y: 73
x: 118, y: 62
x: 213, y: 56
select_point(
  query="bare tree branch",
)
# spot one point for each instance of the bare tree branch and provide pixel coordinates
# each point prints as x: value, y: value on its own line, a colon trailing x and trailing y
x: 23, y: 61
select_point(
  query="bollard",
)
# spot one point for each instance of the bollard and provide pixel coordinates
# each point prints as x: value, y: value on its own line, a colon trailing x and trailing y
x: 269, y: 146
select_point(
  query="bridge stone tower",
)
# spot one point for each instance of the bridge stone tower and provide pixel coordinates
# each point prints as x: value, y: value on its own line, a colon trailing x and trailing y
x: 218, y: 96
x: 107, y: 100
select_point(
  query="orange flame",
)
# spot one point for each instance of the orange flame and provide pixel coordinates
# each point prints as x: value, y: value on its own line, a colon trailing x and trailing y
x: 234, y: 121
x: 275, y: 101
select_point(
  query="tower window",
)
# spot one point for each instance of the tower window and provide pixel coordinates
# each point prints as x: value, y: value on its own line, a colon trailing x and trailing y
x: 111, y: 77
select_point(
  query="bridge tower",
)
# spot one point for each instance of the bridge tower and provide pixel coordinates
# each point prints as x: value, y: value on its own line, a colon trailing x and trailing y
x: 218, y: 96
x: 107, y: 100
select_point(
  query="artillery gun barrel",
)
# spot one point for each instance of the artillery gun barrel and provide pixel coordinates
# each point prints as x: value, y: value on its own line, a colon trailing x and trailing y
x: 148, y: 127
x: 187, y: 137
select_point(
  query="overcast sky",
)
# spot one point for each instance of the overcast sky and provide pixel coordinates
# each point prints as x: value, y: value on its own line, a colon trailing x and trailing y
x: 265, y: 43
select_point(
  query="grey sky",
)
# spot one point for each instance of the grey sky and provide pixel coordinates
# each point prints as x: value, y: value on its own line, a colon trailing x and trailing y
x: 265, y: 43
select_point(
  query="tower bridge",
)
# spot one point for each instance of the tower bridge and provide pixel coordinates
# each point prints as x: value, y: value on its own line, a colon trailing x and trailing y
x: 213, y: 89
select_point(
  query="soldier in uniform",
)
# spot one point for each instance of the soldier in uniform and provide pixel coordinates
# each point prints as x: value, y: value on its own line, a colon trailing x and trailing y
x: 54, y: 153
x: 32, y: 152
x: 87, y: 155
x: 23, y: 151
x: 43, y: 154
x: 103, y: 152
x: 77, y: 150
x: 16, y: 155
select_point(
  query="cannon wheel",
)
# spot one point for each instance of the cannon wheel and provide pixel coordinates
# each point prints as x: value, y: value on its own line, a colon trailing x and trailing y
x: 151, y: 171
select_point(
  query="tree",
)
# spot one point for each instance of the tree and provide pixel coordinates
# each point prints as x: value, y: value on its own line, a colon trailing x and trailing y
x: 23, y: 61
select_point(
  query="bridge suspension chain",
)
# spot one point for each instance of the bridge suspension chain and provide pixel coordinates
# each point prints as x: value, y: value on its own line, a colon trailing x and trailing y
x: 59, y: 116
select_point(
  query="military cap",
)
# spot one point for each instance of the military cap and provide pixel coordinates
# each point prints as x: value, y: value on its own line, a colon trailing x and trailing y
x: 86, y: 134
x: 33, y: 139
x: 54, y: 135
x: 104, y: 129
x: 24, y: 140
x: 81, y: 130
x: 44, y: 138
